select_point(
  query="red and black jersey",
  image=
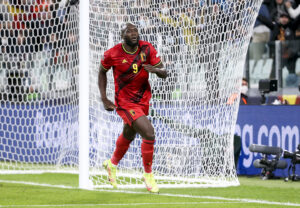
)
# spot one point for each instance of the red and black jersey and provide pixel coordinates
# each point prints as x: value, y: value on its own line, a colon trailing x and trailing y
x: 130, y: 77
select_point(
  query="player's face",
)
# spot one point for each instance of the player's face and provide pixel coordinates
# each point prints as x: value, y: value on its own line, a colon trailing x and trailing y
x: 131, y: 36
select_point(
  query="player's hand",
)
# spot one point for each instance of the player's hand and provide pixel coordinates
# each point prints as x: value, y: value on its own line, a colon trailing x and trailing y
x: 150, y: 68
x: 108, y: 105
x: 159, y: 71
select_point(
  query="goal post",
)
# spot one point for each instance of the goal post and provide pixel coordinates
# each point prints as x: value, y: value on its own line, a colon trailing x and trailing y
x: 84, y: 97
x: 51, y: 115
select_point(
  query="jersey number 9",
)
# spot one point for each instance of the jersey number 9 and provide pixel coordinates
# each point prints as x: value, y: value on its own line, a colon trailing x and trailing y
x: 135, y: 68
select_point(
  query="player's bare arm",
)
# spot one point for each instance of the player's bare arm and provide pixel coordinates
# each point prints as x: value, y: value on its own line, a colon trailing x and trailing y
x: 102, y: 83
x: 159, y: 70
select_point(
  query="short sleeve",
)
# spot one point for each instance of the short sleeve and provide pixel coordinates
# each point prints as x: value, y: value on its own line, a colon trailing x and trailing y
x: 154, y: 59
x: 106, y: 62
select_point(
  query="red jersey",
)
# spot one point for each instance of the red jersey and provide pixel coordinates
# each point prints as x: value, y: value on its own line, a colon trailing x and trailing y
x: 130, y: 77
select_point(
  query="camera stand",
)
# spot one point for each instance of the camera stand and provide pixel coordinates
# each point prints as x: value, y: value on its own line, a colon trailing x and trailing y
x: 263, y: 98
x: 293, y: 177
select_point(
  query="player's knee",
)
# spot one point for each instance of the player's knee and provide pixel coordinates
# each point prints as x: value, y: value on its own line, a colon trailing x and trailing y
x: 129, y: 133
x: 129, y: 136
x: 149, y: 135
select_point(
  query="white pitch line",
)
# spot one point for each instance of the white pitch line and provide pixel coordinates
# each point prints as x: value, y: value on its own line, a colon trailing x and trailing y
x: 163, y: 194
x: 130, y: 204
x: 208, y: 197
x: 38, y: 184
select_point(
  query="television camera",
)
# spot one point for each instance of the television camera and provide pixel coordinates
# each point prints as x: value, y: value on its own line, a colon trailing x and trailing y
x: 268, y: 164
x: 295, y: 159
x: 266, y: 86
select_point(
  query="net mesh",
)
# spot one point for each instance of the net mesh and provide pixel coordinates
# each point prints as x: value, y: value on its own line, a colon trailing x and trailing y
x: 203, y: 46
x: 38, y: 86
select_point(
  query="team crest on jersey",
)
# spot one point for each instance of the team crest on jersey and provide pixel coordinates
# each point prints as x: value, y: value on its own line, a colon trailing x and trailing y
x: 143, y: 56
x: 132, y: 112
x: 124, y: 61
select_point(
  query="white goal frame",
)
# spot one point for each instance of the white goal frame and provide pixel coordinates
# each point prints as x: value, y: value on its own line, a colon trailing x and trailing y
x: 84, y: 97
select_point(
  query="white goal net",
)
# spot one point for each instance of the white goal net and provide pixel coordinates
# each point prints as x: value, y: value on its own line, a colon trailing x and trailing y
x: 38, y: 86
x: 203, y: 45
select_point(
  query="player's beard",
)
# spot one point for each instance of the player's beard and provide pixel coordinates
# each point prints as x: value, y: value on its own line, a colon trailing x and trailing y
x: 130, y: 43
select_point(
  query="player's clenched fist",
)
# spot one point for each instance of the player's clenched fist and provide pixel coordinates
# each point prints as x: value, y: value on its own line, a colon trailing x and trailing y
x: 108, y: 105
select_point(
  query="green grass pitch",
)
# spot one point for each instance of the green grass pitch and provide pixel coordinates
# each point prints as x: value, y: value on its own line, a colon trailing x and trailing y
x: 60, y: 190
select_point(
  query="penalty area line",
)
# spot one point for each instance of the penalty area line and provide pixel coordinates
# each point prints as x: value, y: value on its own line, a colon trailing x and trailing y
x: 236, y: 200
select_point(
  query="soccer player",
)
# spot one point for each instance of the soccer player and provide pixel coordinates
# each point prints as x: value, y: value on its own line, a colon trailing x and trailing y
x: 131, y: 61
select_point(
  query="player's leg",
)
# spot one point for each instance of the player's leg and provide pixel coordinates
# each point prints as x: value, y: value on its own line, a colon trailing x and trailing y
x: 122, y: 145
x: 144, y: 127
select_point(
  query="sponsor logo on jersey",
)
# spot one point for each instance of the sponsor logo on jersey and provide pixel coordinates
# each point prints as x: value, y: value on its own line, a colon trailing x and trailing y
x: 124, y: 61
x: 132, y: 112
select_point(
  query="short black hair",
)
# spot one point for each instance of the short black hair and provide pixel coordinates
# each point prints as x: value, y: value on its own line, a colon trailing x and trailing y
x: 125, y: 26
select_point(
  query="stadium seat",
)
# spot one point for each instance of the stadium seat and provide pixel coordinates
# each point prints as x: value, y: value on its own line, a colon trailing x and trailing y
x: 260, y: 69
